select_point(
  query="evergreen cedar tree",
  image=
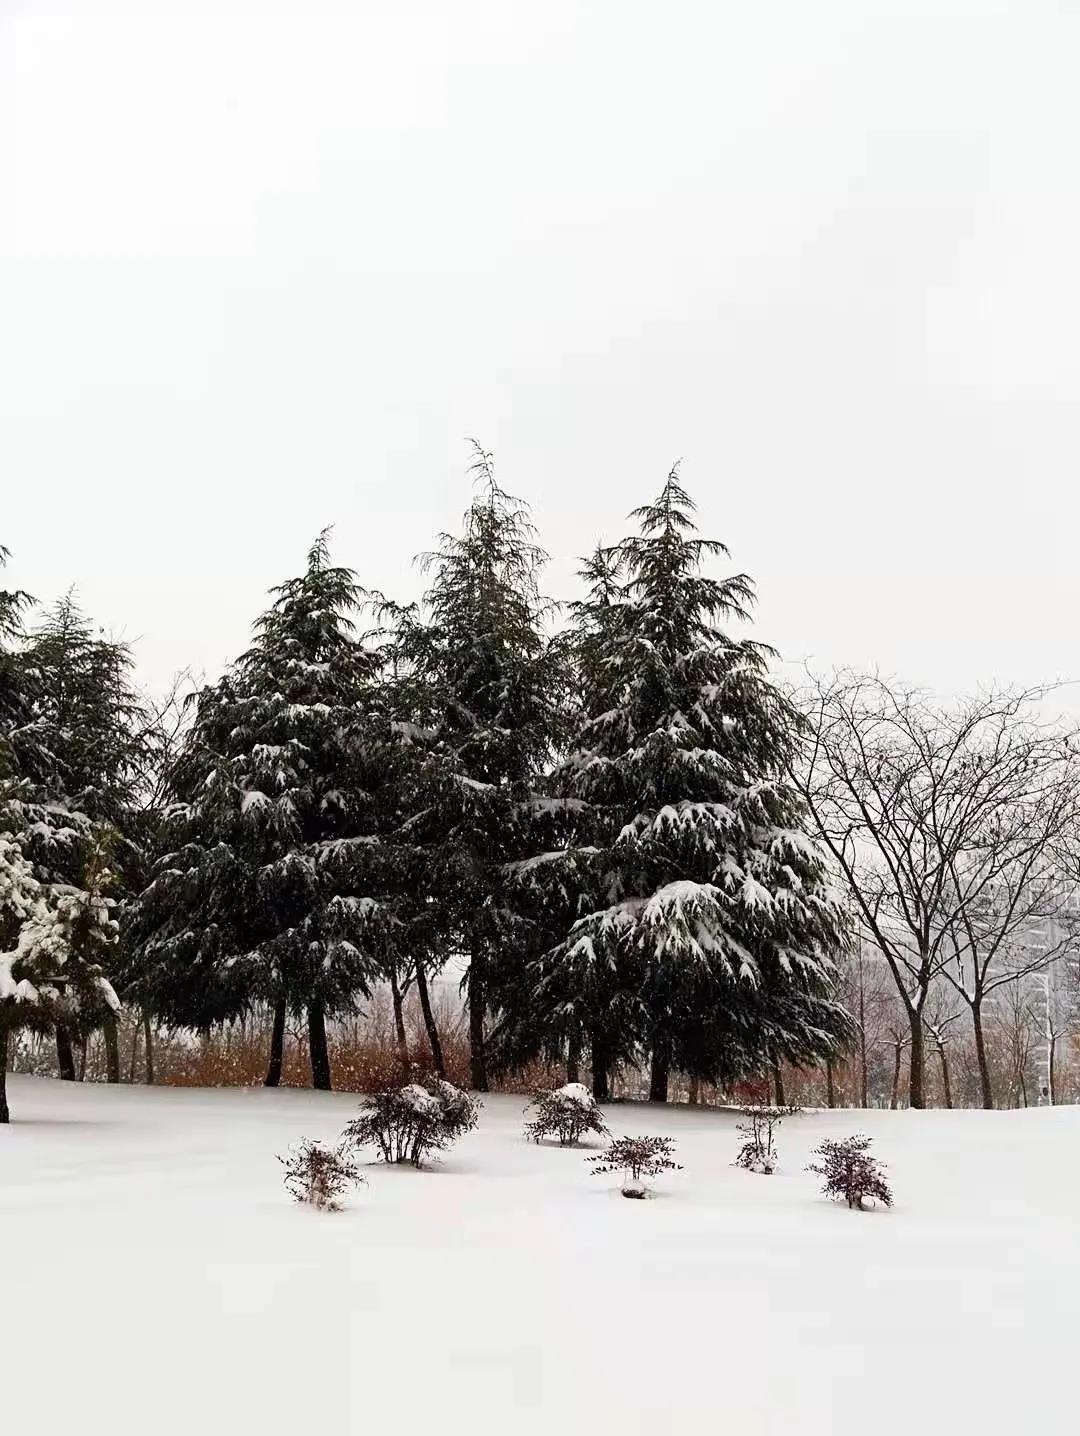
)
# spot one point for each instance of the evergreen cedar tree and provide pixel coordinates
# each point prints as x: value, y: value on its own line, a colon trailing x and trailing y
x: 702, y: 931
x: 597, y: 825
x: 479, y: 692
x: 89, y: 719
x: 64, y: 781
x: 281, y: 886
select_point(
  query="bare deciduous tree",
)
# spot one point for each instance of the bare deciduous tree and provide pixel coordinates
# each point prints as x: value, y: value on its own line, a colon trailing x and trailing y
x: 953, y: 828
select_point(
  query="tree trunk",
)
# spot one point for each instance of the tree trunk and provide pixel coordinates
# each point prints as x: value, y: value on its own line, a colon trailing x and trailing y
x: 573, y: 1060
x: 429, y: 1021
x: 399, y: 1026
x: 65, y: 1057
x: 917, y: 1068
x: 895, y: 1096
x: 980, y: 1053
x: 600, y: 1063
x: 830, y: 1085
x: 693, y: 1096
x: 1050, y: 1052
x: 5, y: 1114
x: 864, y: 1084
x: 779, y: 1097
x: 148, y: 1041
x: 320, y: 1053
x: 277, y: 1046
x: 945, y: 1075
x: 83, y: 1054
x: 658, y: 1077
x: 111, y: 1033
x: 134, y: 1054
x: 477, y: 996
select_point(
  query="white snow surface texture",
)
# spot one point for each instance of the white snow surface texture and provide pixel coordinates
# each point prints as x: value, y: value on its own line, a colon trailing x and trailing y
x: 154, y: 1276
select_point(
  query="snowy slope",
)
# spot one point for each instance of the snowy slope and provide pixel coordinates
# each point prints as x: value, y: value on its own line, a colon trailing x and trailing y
x: 154, y: 1274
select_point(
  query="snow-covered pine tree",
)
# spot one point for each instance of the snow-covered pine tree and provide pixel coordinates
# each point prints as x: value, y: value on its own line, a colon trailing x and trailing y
x: 26, y: 765
x: 711, y: 931
x: 54, y: 942
x: 564, y: 877
x: 278, y: 887
x: 87, y: 714
x: 87, y: 717
x: 480, y: 688
x: 14, y: 698
x: 20, y: 897
x: 20, y: 893
x: 58, y: 931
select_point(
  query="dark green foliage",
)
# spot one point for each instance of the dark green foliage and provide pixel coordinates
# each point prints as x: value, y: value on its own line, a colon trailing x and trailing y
x: 279, y: 885
x: 597, y: 825
x: 71, y: 762
x: 702, y: 930
x: 86, y: 715
x: 478, y: 693
x: 18, y: 749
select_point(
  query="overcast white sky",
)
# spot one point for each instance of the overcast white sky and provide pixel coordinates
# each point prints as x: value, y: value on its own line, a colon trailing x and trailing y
x: 262, y: 268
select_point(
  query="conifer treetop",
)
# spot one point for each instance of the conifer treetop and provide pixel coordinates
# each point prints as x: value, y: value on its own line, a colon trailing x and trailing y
x: 679, y: 603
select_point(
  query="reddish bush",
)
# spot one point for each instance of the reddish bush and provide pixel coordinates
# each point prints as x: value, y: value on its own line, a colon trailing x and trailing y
x: 850, y: 1173
x: 637, y: 1158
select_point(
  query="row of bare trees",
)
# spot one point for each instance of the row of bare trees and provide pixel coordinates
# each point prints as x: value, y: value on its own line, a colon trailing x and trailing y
x: 955, y: 829
x: 1030, y: 1060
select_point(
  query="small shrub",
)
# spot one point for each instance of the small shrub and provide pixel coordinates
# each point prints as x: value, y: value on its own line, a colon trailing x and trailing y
x: 566, y: 1113
x: 636, y: 1158
x: 758, y: 1152
x: 408, y: 1123
x: 318, y: 1174
x: 850, y: 1173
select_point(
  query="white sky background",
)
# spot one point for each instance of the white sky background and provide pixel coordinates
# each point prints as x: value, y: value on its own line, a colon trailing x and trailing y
x: 263, y: 268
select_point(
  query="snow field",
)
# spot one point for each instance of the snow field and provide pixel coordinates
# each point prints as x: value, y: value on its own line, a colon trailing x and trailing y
x: 156, y: 1278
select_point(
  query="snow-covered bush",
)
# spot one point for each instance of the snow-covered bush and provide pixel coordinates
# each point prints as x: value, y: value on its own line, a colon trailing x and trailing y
x: 318, y: 1174
x: 850, y: 1173
x: 636, y: 1158
x: 758, y: 1151
x: 567, y: 1113
x: 408, y: 1123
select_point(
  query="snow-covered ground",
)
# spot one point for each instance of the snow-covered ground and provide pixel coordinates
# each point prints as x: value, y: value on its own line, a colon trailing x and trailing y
x: 155, y: 1278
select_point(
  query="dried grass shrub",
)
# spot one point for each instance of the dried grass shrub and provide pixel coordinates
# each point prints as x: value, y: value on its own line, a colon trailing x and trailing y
x: 319, y: 1174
